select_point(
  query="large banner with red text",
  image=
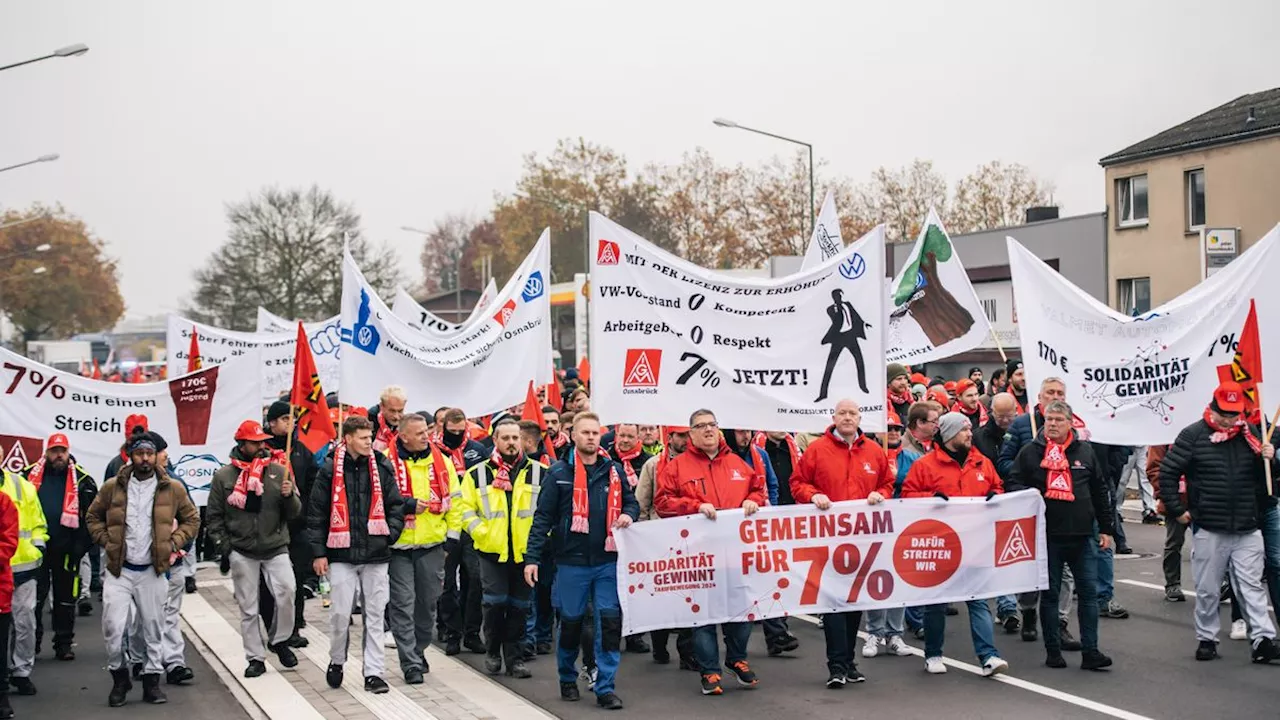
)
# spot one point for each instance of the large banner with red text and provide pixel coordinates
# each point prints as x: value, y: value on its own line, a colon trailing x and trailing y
x: 690, y: 571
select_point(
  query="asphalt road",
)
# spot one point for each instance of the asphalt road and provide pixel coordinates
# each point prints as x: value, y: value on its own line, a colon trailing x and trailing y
x: 79, y: 689
x: 1155, y: 674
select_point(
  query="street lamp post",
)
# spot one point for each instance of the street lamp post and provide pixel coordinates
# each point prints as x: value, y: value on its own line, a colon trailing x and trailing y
x: 42, y: 159
x: 722, y: 122
x: 68, y: 51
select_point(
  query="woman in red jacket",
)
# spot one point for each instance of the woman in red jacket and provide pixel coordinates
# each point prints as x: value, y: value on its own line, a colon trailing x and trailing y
x: 955, y: 468
x: 8, y: 546
x: 705, y: 478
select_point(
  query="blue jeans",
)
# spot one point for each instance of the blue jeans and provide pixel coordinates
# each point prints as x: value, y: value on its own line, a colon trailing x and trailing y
x: 1271, y: 550
x: 707, y: 651
x: 575, y: 585
x: 914, y: 617
x: 980, y: 628
x: 1106, y: 571
x: 1081, y: 554
x: 885, y: 623
x: 1006, y: 605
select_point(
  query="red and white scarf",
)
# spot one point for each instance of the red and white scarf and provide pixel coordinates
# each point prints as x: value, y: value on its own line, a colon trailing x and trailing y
x: 1057, y: 484
x: 1240, y: 426
x: 455, y: 454
x: 582, y: 501
x: 438, y: 489
x: 70, y: 497
x: 625, y: 458
x: 980, y: 411
x: 340, y: 515
x: 502, y: 471
x: 905, y: 398
x: 559, y: 440
x: 386, y: 436
x: 249, y: 480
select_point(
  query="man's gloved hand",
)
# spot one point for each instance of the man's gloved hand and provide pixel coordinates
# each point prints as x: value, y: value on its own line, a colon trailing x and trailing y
x: 991, y: 494
x: 940, y: 494
x: 224, y: 565
x: 450, y: 545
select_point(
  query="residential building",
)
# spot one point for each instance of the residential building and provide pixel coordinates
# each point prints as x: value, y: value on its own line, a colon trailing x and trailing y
x: 1220, y: 169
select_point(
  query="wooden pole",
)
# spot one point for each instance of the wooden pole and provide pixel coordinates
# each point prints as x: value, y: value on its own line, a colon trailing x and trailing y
x: 288, y: 442
x: 1031, y: 411
x: 1266, y: 438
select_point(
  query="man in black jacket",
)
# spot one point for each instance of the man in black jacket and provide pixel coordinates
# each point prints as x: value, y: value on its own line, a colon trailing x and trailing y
x: 354, y: 515
x: 1064, y: 469
x: 990, y: 437
x: 459, y: 615
x: 1222, y: 458
x: 585, y: 555
x: 302, y: 464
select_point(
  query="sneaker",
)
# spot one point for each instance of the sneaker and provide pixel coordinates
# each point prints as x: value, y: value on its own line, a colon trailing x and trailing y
x: 745, y: 675
x: 284, y: 654
x: 898, y: 646
x: 475, y: 644
x: 1173, y: 593
x: 1055, y: 660
x: 1030, y: 632
x: 179, y: 674
x: 22, y: 685
x: 1012, y: 623
x: 569, y: 692
x: 376, y: 685
x: 257, y: 668
x: 65, y: 654
x: 1239, y: 630
x: 1126, y: 550
x: 994, y: 666
x: 855, y: 676
x: 517, y: 669
x: 918, y: 633
x: 589, y: 676
x: 189, y: 585
x: 86, y: 607
x: 413, y: 676
x: 837, y: 679
x: 688, y: 663
x: 1094, y: 660
x: 637, y: 644
x: 297, y: 642
x: 1207, y: 650
x: 871, y: 647
x: 662, y: 656
x: 1151, y: 518
x: 1114, y: 610
x: 785, y: 643
x: 934, y: 666
x: 1067, y: 640
x: 952, y: 610
x: 711, y: 684
x: 1264, y: 650
x: 333, y: 676
x: 610, y: 701
x: 542, y: 648
x: 493, y: 664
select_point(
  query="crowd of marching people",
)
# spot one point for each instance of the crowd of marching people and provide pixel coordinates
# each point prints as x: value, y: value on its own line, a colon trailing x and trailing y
x: 497, y: 536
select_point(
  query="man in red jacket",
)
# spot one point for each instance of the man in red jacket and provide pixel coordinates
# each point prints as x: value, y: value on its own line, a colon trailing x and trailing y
x: 842, y: 465
x: 705, y: 478
x: 955, y: 468
x: 8, y: 546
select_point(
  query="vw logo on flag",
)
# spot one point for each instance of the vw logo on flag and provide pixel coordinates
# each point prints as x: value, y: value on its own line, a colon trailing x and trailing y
x: 853, y: 268
x: 532, y: 287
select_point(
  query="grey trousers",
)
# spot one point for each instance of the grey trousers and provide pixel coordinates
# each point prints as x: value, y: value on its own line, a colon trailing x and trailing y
x: 1175, y: 534
x: 416, y: 582
x: 24, y: 629
x: 146, y: 590
x: 1211, y: 555
x: 371, y: 580
x: 278, y: 574
x: 172, y: 645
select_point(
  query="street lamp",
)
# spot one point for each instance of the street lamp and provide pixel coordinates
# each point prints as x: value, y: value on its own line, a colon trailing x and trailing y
x: 725, y: 123
x: 68, y: 51
x: 42, y: 159
x: 457, y: 275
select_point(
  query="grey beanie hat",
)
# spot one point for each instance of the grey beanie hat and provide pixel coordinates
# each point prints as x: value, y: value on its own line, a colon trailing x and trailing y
x: 951, y: 424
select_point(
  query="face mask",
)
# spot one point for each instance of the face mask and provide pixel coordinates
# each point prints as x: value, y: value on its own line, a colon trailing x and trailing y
x: 453, y: 439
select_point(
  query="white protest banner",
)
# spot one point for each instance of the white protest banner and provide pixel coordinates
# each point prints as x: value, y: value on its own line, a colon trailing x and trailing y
x: 669, y: 337
x: 271, y: 322
x: 934, y: 311
x: 826, y: 241
x: 409, y: 310
x: 1140, y: 380
x: 481, y: 368
x: 276, y: 350
x: 691, y: 571
x: 196, y: 414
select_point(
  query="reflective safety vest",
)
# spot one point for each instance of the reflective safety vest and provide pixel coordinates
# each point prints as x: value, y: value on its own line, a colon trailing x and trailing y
x: 430, y: 529
x: 33, y: 532
x: 486, y: 517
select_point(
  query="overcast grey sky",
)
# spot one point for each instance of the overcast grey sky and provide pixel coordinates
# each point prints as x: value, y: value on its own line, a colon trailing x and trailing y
x: 411, y: 110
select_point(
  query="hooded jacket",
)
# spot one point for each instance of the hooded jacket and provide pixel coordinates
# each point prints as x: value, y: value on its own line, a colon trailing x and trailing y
x: 842, y: 470
x: 554, y: 514
x: 692, y: 478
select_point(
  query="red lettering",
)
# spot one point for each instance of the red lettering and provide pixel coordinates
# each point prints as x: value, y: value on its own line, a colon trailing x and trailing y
x: 817, y: 557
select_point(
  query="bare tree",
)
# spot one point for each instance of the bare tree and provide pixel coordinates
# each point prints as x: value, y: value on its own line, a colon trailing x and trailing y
x: 443, y: 251
x: 996, y: 195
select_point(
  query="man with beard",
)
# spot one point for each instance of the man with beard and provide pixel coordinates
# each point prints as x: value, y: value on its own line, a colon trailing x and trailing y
x: 559, y: 438
x: 677, y: 439
x: 899, y: 392
x: 141, y: 518
x: 1017, y: 384
x: 301, y: 463
x: 975, y: 377
x: 460, y: 613
x: 253, y: 502
x: 650, y: 439
x: 632, y: 457
x: 967, y: 404
x: 65, y: 492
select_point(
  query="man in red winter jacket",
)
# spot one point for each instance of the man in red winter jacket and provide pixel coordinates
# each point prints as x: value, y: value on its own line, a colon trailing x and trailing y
x: 843, y: 464
x: 8, y: 546
x: 955, y: 468
x: 705, y: 478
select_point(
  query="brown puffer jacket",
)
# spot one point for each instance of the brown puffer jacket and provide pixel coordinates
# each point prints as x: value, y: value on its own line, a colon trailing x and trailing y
x: 1155, y: 455
x: 106, y: 519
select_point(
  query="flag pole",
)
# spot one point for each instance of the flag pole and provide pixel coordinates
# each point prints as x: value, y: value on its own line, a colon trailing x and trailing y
x: 1266, y: 436
x: 1031, y: 411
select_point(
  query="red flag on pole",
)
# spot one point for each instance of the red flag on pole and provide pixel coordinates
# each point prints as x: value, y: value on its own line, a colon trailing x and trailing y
x: 97, y: 371
x: 314, y: 427
x: 193, y: 352
x: 1246, y: 366
x: 533, y: 411
x: 553, y: 391
x: 584, y: 370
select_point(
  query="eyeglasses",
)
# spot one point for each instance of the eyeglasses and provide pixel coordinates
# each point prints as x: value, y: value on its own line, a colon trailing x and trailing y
x: 706, y: 426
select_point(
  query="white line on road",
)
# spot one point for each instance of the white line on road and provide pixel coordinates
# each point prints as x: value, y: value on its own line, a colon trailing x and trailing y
x: 1153, y: 586
x: 1020, y: 683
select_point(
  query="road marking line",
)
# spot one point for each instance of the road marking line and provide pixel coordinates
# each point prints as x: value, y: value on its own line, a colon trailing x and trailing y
x: 1019, y: 683
x: 1153, y: 586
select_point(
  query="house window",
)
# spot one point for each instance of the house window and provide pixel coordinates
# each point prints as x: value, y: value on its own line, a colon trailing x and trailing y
x: 1135, y: 295
x: 989, y: 309
x: 1195, y: 199
x: 1131, y: 198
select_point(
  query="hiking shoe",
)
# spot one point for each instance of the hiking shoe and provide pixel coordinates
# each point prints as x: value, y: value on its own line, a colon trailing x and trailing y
x: 284, y: 654
x: 178, y: 675
x: 711, y: 684
x: 871, y: 647
x: 1207, y: 650
x: 994, y: 666
x: 493, y: 664
x: 1067, y: 640
x: 257, y: 668
x: 453, y: 647
x: 897, y: 646
x: 1239, y: 630
x: 413, y: 676
x: 518, y: 669
x: 1030, y: 632
x: 22, y: 685
x: 745, y: 675
x: 1012, y: 623
x: 376, y: 685
x: 637, y: 644
x: 1173, y: 593
x: 1114, y: 610
x: 333, y: 676
x: 569, y: 692
x: 934, y: 666
x: 837, y: 680
x: 610, y: 701
x: 1094, y: 660
x: 1264, y: 650
x: 1055, y: 660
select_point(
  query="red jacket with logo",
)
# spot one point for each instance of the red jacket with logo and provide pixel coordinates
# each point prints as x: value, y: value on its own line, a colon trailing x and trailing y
x: 937, y: 471
x: 691, y: 479
x: 840, y: 470
x: 8, y: 546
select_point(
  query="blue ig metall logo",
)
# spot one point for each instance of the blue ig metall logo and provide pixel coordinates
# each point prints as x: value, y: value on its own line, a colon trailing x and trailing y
x: 854, y: 267
x: 533, y: 287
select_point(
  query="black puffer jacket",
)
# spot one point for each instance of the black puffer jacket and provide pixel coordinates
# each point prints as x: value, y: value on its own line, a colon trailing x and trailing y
x: 365, y: 548
x: 1226, y: 487
x: 1092, y: 497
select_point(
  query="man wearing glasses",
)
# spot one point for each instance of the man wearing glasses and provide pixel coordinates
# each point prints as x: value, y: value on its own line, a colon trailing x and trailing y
x: 922, y: 425
x: 706, y: 478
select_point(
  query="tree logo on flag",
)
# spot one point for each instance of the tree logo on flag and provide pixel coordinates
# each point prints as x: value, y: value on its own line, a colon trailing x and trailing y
x: 607, y: 253
x: 1012, y: 544
x: 642, y: 368
x: 921, y: 294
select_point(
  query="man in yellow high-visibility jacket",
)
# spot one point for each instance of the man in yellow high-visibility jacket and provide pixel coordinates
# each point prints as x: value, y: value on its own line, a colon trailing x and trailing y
x: 33, y: 536
x: 432, y: 523
x: 497, y: 504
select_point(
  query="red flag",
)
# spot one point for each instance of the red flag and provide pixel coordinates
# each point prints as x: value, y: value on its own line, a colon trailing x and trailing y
x: 1246, y: 366
x: 584, y: 370
x: 97, y: 371
x: 553, y: 391
x: 193, y: 352
x: 314, y: 426
x: 533, y: 411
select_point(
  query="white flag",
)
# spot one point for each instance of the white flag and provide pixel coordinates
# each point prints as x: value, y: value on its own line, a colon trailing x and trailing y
x: 271, y: 322
x: 412, y: 312
x: 933, y: 311
x: 274, y: 348
x: 826, y: 241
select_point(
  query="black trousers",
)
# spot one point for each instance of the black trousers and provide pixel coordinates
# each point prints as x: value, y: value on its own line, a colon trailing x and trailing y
x: 460, y: 610
x: 59, y: 571
x: 506, y: 605
x: 6, y: 625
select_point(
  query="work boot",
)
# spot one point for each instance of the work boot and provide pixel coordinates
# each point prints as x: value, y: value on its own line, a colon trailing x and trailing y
x: 151, y: 692
x: 120, y: 687
x: 493, y: 664
x: 453, y: 646
x: 1030, y: 630
x: 85, y: 607
x: 516, y: 666
x: 474, y: 644
x: 637, y: 644
x: 6, y: 710
x: 179, y: 674
x: 1068, y: 641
